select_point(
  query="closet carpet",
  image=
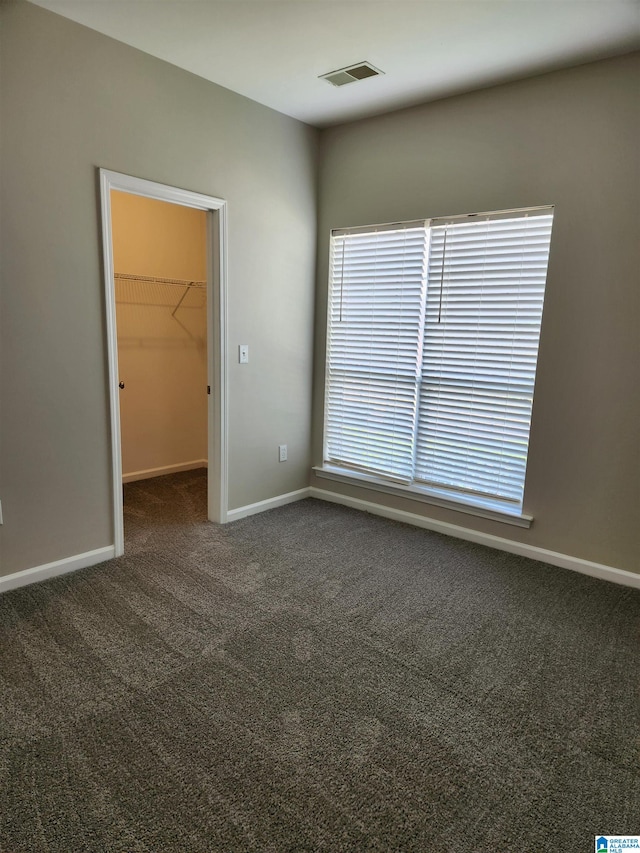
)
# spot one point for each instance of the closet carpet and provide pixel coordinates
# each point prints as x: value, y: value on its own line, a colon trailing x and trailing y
x: 314, y: 679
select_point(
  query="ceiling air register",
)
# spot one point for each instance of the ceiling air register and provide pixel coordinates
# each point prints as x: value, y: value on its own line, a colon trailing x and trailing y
x: 351, y: 74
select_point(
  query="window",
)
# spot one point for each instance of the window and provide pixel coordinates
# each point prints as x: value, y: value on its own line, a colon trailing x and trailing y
x: 431, y: 353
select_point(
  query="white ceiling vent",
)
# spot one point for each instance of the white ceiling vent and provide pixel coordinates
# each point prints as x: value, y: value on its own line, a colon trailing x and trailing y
x: 351, y: 74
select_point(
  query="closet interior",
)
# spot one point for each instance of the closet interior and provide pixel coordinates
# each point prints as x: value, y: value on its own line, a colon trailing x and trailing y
x: 159, y: 255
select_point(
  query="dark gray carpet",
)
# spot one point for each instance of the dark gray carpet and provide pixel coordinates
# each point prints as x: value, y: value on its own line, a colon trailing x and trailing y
x: 314, y: 679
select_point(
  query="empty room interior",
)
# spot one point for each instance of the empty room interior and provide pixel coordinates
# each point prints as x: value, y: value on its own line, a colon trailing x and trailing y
x: 319, y: 446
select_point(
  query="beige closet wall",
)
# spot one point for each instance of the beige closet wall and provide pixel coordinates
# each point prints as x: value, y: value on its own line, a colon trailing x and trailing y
x: 161, y: 356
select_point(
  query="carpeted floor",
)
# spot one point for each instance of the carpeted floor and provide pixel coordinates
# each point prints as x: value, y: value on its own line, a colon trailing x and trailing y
x: 314, y: 679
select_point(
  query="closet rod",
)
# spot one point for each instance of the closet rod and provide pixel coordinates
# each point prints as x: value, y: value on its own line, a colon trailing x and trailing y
x: 173, y: 282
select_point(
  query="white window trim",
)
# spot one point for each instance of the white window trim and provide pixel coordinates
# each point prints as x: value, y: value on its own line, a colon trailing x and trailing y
x: 478, y: 506
x: 440, y: 220
x: 470, y: 505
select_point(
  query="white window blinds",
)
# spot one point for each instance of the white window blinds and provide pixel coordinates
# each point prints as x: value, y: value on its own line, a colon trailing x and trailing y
x: 484, y: 309
x: 373, y: 356
x: 432, y: 348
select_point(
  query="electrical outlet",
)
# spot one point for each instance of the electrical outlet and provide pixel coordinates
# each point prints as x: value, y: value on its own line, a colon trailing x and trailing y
x: 243, y: 353
x: 282, y: 452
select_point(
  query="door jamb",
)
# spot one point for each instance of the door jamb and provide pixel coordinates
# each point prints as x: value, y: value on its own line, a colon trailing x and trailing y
x: 216, y: 208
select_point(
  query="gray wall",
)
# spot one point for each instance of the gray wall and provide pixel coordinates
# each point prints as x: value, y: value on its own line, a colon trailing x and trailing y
x: 73, y: 100
x: 570, y: 139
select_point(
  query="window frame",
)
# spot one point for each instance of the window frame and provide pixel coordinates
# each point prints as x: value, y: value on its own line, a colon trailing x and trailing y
x: 485, y: 507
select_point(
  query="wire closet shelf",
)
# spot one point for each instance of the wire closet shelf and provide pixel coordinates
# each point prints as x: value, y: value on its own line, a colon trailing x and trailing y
x: 187, y: 284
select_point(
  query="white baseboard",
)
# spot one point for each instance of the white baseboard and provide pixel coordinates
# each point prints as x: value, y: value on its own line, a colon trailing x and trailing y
x: 576, y: 564
x: 59, y: 567
x: 165, y: 469
x: 270, y: 503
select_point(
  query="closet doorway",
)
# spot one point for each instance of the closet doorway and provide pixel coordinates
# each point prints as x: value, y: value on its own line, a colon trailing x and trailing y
x: 164, y: 260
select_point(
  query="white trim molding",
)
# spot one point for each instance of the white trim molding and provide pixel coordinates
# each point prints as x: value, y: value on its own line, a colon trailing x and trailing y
x: 269, y: 503
x: 149, y: 473
x: 470, y: 506
x: 216, y: 209
x: 554, y: 558
x: 53, y: 570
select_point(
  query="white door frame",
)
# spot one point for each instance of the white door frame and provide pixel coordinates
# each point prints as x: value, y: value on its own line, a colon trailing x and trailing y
x: 216, y: 208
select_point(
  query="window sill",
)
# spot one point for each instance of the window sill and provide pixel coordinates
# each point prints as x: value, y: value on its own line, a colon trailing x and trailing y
x: 483, y: 509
